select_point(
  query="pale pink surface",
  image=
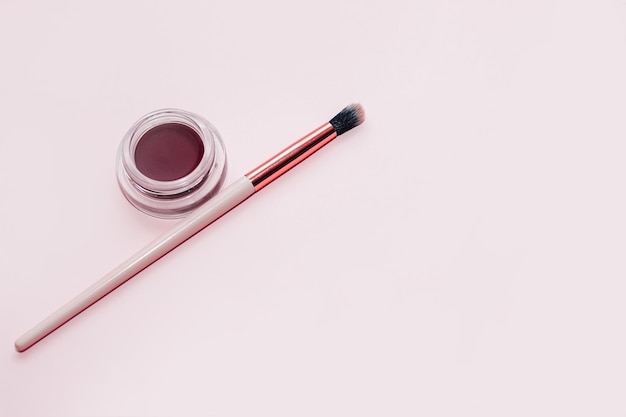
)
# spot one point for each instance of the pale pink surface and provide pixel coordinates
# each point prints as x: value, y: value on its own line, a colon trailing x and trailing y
x: 461, y: 253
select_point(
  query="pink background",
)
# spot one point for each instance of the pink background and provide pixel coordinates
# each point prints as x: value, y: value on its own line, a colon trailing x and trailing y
x: 461, y: 253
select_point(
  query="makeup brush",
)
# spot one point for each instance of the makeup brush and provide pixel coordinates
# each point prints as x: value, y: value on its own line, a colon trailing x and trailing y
x: 255, y: 180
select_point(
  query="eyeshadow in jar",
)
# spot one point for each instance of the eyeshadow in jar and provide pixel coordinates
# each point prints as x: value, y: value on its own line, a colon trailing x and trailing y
x: 170, y: 162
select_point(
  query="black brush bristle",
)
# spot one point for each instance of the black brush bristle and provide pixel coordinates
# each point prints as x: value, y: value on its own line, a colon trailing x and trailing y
x: 351, y: 116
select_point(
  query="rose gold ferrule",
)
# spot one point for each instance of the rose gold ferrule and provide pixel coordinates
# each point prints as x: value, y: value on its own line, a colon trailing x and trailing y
x: 291, y: 156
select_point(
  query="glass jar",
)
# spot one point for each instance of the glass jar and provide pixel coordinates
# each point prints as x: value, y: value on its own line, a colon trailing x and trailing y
x: 170, y: 162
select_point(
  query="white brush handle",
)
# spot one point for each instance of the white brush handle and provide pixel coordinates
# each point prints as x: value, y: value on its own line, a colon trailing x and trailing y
x: 198, y: 220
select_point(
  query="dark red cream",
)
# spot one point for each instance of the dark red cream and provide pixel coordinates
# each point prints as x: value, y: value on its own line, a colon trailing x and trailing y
x: 168, y: 152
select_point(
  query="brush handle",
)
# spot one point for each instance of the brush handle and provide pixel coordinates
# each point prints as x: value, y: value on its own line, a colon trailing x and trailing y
x: 198, y: 220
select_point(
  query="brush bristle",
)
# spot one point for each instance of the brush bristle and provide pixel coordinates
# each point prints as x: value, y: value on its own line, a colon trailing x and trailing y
x: 351, y: 116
